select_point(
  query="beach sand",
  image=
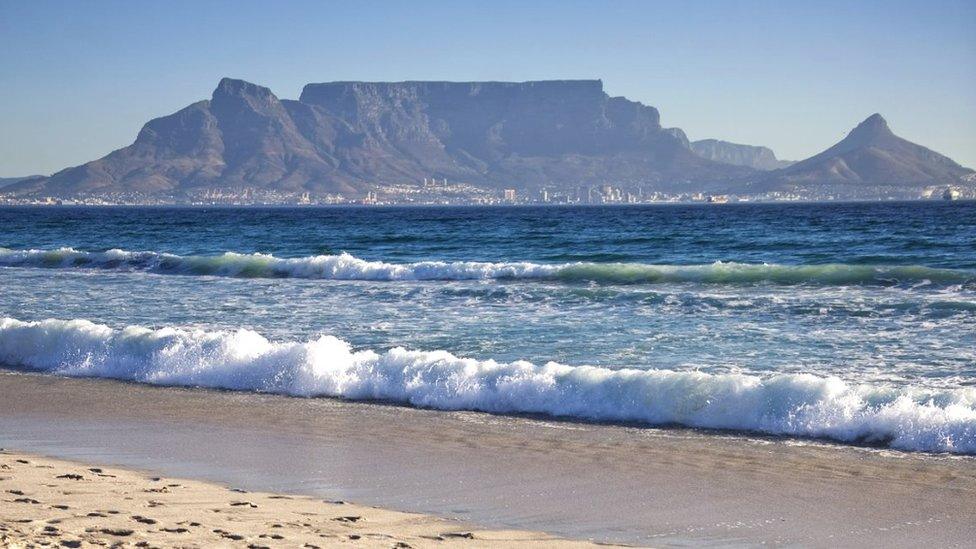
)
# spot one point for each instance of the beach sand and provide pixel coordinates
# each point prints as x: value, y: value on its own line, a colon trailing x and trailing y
x: 608, y: 483
x: 50, y: 502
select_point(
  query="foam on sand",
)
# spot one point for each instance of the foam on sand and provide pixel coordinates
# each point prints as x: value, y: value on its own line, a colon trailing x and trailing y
x: 906, y: 418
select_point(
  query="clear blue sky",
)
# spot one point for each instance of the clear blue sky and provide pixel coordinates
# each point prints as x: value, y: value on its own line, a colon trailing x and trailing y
x: 78, y: 79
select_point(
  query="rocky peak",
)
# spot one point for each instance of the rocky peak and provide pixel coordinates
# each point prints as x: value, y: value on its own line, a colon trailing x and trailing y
x: 873, y: 128
x: 234, y: 95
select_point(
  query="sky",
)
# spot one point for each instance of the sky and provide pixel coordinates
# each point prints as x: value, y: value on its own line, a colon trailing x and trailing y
x: 79, y: 79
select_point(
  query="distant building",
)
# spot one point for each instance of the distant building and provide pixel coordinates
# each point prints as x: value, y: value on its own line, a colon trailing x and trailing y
x: 510, y: 195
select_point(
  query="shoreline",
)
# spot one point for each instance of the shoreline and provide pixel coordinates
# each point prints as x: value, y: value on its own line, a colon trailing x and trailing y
x: 273, y: 206
x: 48, y: 501
x: 609, y: 483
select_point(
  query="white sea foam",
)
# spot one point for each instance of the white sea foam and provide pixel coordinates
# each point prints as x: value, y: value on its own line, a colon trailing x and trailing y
x: 347, y: 267
x: 803, y: 405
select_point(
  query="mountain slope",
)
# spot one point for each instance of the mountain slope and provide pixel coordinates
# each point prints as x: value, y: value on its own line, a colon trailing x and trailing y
x: 346, y: 137
x: 871, y: 156
x: 757, y: 158
x: 4, y: 181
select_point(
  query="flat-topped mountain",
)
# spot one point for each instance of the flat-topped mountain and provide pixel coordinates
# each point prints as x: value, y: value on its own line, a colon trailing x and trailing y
x: 751, y: 156
x: 871, y: 156
x: 345, y: 137
x: 350, y: 137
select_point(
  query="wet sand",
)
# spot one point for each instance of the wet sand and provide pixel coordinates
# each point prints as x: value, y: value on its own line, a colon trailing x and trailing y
x: 608, y: 483
x: 67, y: 504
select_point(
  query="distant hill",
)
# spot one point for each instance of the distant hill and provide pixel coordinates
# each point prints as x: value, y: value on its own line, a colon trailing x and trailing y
x: 871, y: 156
x: 757, y: 158
x: 4, y: 181
x: 345, y: 137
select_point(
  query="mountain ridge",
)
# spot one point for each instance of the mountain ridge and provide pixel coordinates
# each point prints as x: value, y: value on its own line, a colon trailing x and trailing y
x: 344, y: 137
x: 752, y: 156
x: 348, y: 138
x: 871, y: 156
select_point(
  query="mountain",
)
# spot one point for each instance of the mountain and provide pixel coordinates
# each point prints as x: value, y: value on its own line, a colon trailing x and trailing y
x: 757, y: 158
x: 870, y: 157
x: 4, y: 181
x: 348, y: 137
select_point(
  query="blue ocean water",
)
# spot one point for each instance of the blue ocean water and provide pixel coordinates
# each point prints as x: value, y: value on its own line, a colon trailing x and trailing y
x: 852, y: 322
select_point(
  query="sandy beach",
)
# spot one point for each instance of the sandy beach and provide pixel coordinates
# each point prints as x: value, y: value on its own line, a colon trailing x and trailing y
x: 50, y: 502
x: 606, y: 483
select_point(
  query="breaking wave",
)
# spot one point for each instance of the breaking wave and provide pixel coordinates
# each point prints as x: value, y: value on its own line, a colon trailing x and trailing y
x: 787, y: 404
x: 347, y: 267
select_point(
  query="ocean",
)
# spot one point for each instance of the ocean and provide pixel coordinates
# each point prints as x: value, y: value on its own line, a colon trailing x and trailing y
x: 851, y: 323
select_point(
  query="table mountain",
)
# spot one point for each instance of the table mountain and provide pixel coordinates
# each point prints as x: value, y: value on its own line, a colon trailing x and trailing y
x: 345, y: 137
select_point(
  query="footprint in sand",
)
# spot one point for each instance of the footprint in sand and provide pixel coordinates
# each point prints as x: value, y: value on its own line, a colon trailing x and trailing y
x: 228, y: 535
x: 70, y: 476
x: 143, y: 520
x: 348, y: 519
x: 31, y: 501
x: 465, y: 535
x: 243, y: 503
x: 119, y: 532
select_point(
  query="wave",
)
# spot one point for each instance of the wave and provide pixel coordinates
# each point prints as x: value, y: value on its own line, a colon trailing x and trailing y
x: 804, y: 405
x: 347, y: 267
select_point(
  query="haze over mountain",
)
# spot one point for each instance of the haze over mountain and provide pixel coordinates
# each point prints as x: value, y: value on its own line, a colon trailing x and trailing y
x: 345, y: 137
x: 751, y: 156
x: 350, y: 137
x: 4, y: 181
x: 870, y: 157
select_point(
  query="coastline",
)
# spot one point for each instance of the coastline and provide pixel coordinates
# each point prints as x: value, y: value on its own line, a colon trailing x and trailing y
x: 607, y: 483
x: 49, y: 501
x: 477, y: 206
